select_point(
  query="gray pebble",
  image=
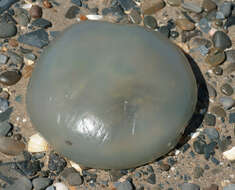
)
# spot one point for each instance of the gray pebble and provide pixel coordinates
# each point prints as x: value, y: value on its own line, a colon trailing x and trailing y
x: 30, y: 56
x: 3, y: 105
x: 7, y: 30
x: 126, y: 4
x: 225, y: 8
x: 227, y: 102
x: 3, y: 59
x: 20, y: 184
x: 5, y: 4
x: 230, y: 55
x: 229, y: 187
x: 203, y: 50
x: 189, y: 186
x: 211, y: 91
x: 42, y: 23
x: 5, y: 127
x: 221, y: 40
x: 191, y: 7
x: 232, y: 117
x: 41, y: 183
x: 15, y: 58
x: 212, y: 134
x: 204, y: 25
x: 210, y: 119
x: 23, y: 19
x: 126, y: 185
x: 150, y: 22
x: 50, y: 188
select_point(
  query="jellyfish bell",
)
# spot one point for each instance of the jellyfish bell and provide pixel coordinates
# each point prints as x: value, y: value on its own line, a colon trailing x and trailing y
x: 111, y: 96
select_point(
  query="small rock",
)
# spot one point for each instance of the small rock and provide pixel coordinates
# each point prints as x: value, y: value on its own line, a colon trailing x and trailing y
x: 126, y: 4
x: 71, y: 176
x: 229, y: 22
x: 217, y: 71
x: 215, y: 57
x: 230, y: 55
x: 7, y: 30
x: 72, y: 12
x: 60, y: 186
x: 217, y: 110
x: 135, y: 16
x: 191, y: 7
x: 221, y: 40
x: 126, y: 185
x: 151, y: 179
x: 209, y: 119
x: 22, y: 17
x: 224, y: 142
x: 20, y: 184
x: 5, y: 127
x: 35, y: 11
x: 41, y: 183
x: 38, y: 38
x: 174, y: 3
x: 204, y: 25
x: 185, y: 24
x: 10, y: 77
x: 29, y: 168
x: 42, y: 23
x: 150, y: 22
x: 10, y: 146
x: 197, y: 42
x: 208, y: 5
x: 50, y: 188
x: 227, y: 102
x: 209, y: 149
x: 164, y: 166
x: 198, y: 146
x: 56, y: 163
x: 165, y: 31
x: 30, y: 56
x: 225, y: 8
x: 230, y: 154
x: 212, y: 134
x: 150, y: 7
x: 4, y: 5
x: 198, y: 172
x: 77, y: 2
x: 174, y: 34
x: 212, y: 187
x: 226, y: 89
x: 6, y: 115
x: 231, y: 117
x: 189, y: 186
x: 3, y: 59
x: 15, y: 58
x: 203, y: 50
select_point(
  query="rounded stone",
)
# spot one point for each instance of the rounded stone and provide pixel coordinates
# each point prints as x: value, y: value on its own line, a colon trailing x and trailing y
x: 114, y: 91
x: 150, y: 22
x: 7, y: 30
x: 10, y: 77
x: 226, y: 89
x: 35, y: 11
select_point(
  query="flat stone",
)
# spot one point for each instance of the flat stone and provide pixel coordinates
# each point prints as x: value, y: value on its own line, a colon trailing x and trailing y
x: 135, y: 16
x: 22, y: 16
x: 6, y: 4
x: 10, y: 146
x: 10, y: 77
x: 150, y: 22
x: 208, y: 5
x: 150, y: 7
x: 5, y: 128
x: 72, y: 12
x: 229, y: 187
x: 126, y: 185
x: 227, y: 102
x: 210, y: 119
x: 185, y: 24
x: 41, y: 183
x: 7, y: 30
x: 38, y: 38
x: 215, y: 57
x: 217, y: 110
x: 3, y: 59
x: 191, y: 7
x: 20, y: 184
x: 232, y: 117
x: 212, y: 134
x: 15, y: 58
x: 190, y: 186
x: 217, y: 71
x: 42, y: 23
x: 221, y: 40
x: 226, y: 89
x: 204, y: 25
x: 127, y: 4
x: 174, y: 3
x: 71, y: 176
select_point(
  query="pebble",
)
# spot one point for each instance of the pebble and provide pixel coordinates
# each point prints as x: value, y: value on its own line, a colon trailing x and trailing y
x: 189, y: 186
x: 225, y: 8
x: 174, y: 34
x: 204, y: 25
x: 4, y: 5
x: 224, y: 142
x: 60, y: 186
x: 198, y: 172
x: 50, y: 188
x: 35, y: 11
x: 174, y: 3
x: 203, y: 50
x: 10, y: 146
x: 71, y: 176
x: 217, y: 110
x: 215, y: 57
x: 20, y: 184
x: 15, y: 58
x: 197, y: 42
x: 208, y: 5
x: 232, y: 117
x: 209, y: 149
x: 191, y: 7
x: 13, y: 43
x: 30, y: 56
x: 56, y: 163
x: 209, y: 119
x: 126, y: 185
x: 165, y: 31
x: 150, y: 7
x: 5, y: 128
x: 198, y: 146
x: 229, y: 187
x: 229, y: 22
x: 47, y: 4
x: 185, y: 24
x: 38, y: 38
x: 227, y: 102
x: 6, y: 115
x: 135, y: 17
x: 164, y: 167
x: 212, y: 134
x: 41, y: 183
x: 22, y: 17
x: 7, y: 30
x: 77, y: 2
x: 151, y: 179
x: 150, y: 22
x: 28, y: 167
x: 226, y: 89
x: 215, y: 161
x: 221, y: 40
x: 10, y: 77
x: 72, y: 12
x: 230, y: 55
x: 126, y: 4
x: 217, y: 71
x: 230, y: 154
x: 42, y: 23
x: 3, y: 59
x: 212, y: 187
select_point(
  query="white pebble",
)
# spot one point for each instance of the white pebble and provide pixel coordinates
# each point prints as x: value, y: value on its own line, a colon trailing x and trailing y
x: 26, y: 6
x: 94, y: 17
x: 230, y: 154
x: 37, y: 143
x: 60, y: 186
x: 195, y: 135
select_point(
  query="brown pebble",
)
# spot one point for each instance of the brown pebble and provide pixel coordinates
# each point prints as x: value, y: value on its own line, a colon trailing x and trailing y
x: 35, y: 11
x: 13, y: 43
x: 47, y: 4
x: 215, y: 57
x: 164, y: 166
x: 5, y: 95
x: 217, y: 110
x: 10, y: 146
x: 212, y: 187
x: 185, y: 24
x: 150, y: 7
x: 10, y: 77
x: 208, y: 5
x: 83, y: 18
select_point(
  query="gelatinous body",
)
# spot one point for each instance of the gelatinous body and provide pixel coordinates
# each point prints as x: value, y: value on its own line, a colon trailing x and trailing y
x: 111, y: 96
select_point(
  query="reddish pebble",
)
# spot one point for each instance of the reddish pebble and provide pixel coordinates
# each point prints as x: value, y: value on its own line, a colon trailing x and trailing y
x: 47, y: 4
x: 83, y: 17
x: 13, y: 43
x: 35, y: 11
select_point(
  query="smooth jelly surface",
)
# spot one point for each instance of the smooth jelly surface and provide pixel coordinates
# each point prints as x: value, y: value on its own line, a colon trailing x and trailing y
x: 111, y: 96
